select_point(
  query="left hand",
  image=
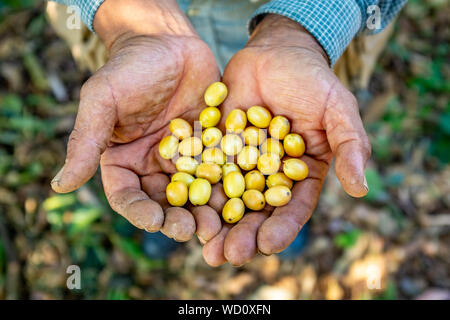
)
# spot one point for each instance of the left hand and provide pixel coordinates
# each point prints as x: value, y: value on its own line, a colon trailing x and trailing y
x: 157, y: 71
x: 284, y: 69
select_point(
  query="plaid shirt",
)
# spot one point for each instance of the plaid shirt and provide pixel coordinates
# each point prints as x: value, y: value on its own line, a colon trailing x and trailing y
x: 334, y: 23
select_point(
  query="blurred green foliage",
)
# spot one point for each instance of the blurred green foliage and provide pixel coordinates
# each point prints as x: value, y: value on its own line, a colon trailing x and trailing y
x: 390, y: 293
x: 347, y: 239
x: 6, y: 6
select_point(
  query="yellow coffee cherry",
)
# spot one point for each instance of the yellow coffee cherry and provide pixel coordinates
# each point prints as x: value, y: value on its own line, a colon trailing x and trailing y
x: 214, y: 155
x: 255, y: 180
x: 279, y: 179
x: 248, y: 158
x: 278, y: 196
x: 231, y: 144
x: 234, y: 184
x: 254, y: 200
x: 295, y: 169
x: 209, y: 117
x: 236, y: 121
x: 180, y: 128
x: 294, y: 145
x: 184, y: 177
x: 211, y: 137
x: 191, y: 146
x: 272, y: 146
x: 215, y: 94
x: 209, y: 171
x: 230, y: 167
x: 168, y: 147
x: 279, y: 127
x: 177, y: 193
x: 269, y: 163
x: 259, y: 116
x: 253, y: 136
x: 233, y: 210
x: 199, y: 192
x: 186, y: 164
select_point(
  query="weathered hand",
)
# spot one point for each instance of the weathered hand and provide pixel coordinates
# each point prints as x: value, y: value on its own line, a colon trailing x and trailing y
x: 284, y: 69
x: 125, y: 110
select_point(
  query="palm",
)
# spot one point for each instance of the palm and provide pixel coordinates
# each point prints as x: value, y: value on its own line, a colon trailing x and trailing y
x: 153, y: 80
x: 125, y: 110
x: 166, y: 85
x: 290, y: 81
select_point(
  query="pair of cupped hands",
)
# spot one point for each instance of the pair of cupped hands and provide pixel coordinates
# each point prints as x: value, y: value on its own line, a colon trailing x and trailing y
x: 158, y: 70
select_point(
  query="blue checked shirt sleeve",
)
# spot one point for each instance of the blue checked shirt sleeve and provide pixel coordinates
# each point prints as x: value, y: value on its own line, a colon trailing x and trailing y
x: 87, y: 9
x: 334, y: 23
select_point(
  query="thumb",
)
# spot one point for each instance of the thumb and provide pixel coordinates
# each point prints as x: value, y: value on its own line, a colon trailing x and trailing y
x: 348, y: 141
x: 93, y: 129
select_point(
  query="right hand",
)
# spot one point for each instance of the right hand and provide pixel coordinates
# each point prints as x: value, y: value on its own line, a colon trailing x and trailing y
x: 158, y: 70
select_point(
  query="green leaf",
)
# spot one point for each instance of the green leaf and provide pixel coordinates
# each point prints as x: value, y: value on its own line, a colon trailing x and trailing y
x: 15, y: 4
x: 36, y: 26
x: 117, y: 294
x: 444, y: 122
x: 59, y: 202
x: 11, y: 105
x: 55, y: 219
x: 36, y: 71
x: 390, y: 293
x: 83, y: 218
x: 376, y: 185
x: 347, y: 240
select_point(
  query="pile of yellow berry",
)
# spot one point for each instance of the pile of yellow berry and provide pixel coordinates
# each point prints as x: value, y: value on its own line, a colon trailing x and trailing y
x: 212, y: 157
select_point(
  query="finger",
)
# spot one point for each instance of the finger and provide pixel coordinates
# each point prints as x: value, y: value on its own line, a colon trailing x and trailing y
x: 213, y: 250
x: 218, y: 198
x: 155, y: 186
x: 208, y: 222
x: 124, y: 194
x: 93, y: 129
x: 348, y: 141
x: 240, y: 243
x: 281, y: 228
x: 179, y: 224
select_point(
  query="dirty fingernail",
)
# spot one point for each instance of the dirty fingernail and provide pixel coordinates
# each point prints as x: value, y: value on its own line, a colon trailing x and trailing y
x: 57, y: 178
x: 202, y: 241
x: 366, y: 186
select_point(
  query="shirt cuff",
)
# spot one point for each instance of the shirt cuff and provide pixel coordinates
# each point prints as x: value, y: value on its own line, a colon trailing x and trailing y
x: 332, y: 23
